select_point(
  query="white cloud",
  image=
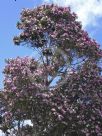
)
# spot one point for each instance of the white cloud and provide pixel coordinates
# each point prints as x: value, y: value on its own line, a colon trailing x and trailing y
x: 1, y: 133
x: 88, y: 11
x: 28, y: 122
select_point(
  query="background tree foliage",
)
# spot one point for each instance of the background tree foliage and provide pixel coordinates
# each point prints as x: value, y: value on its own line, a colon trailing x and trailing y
x: 61, y: 90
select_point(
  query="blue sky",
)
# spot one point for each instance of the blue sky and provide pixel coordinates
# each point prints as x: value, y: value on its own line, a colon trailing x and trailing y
x: 10, y: 14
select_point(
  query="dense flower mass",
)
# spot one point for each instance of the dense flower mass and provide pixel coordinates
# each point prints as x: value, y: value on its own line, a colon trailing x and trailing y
x: 79, y: 101
x: 58, y: 26
x: 61, y: 91
x: 23, y: 75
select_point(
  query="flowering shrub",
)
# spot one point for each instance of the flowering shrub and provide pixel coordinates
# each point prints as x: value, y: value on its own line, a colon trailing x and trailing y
x: 61, y: 91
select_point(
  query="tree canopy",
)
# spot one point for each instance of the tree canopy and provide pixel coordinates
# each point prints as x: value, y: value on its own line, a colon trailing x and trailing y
x: 60, y: 92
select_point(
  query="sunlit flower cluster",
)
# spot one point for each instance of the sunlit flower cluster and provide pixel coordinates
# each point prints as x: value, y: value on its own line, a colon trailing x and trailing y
x: 58, y: 24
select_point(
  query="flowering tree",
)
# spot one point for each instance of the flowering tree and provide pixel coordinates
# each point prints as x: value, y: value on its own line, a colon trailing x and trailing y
x: 60, y: 92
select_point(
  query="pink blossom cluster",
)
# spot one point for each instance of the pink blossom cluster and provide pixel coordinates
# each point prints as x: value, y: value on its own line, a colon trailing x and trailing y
x: 23, y: 76
x: 59, y: 25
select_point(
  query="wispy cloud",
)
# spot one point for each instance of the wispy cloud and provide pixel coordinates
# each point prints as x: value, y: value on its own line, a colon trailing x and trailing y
x: 88, y: 11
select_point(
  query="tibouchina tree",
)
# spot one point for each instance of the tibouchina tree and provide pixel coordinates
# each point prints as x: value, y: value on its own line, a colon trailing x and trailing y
x: 60, y: 91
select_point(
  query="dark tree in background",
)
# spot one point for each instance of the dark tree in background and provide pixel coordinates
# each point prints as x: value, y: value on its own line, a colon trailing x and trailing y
x: 60, y: 91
